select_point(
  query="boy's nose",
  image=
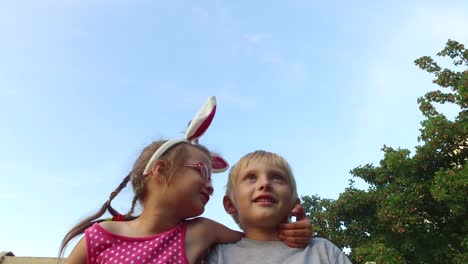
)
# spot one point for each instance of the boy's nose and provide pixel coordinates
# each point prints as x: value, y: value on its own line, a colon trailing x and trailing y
x: 263, y: 184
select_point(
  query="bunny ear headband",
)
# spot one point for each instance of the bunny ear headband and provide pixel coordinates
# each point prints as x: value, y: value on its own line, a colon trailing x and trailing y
x: 196, y: 128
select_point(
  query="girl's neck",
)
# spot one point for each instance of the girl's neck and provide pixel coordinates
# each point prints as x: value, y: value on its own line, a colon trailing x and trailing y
x: 155, y: 221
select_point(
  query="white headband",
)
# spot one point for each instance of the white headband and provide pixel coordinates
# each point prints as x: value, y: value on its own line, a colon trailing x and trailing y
x: 197, y: 127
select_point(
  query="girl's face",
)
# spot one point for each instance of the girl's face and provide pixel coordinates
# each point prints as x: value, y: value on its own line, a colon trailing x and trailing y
x: 190, y: 188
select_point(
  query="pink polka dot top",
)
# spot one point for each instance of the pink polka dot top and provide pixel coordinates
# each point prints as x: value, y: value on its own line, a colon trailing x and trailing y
x: 105, y: 247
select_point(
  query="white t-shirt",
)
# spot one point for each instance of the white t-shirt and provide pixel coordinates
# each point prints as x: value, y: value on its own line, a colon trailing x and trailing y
x: 248, y: 251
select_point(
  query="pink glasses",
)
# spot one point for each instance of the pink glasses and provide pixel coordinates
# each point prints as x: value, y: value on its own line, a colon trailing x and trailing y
x: 202, y: 168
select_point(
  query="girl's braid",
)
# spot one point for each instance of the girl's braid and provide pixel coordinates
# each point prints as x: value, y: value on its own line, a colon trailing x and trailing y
x: 138, y: 183
x: 90, y: 220
x: 132, y: 209
x: 115, y: 193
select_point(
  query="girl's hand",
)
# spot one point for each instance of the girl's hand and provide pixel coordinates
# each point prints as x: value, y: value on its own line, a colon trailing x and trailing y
x: 296, y: 234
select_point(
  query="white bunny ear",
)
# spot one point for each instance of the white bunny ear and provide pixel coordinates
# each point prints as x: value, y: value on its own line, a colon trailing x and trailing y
x: 196, y: 128
x: 202, y: 120
x: 218, y: 163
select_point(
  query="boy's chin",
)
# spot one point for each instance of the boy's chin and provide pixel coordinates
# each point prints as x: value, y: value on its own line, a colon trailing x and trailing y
x: 271, y: 220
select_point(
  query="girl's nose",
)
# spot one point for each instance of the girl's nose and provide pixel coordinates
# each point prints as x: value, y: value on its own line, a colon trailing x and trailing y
x: 209, y: 187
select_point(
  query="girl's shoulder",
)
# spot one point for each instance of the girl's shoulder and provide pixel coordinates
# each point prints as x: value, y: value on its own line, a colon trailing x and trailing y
x: 114, y: 227
x: 108, y: 228
x: 128, y: 231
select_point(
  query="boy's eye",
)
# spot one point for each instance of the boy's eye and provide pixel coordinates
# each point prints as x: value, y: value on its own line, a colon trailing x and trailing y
x: 250, y: 177
x: 278, y: 177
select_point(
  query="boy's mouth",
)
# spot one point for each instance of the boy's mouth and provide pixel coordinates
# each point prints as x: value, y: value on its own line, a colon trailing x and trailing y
x: 264, y: 199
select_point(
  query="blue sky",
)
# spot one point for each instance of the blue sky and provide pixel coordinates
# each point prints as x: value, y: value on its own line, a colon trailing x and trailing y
x: 85, y: 85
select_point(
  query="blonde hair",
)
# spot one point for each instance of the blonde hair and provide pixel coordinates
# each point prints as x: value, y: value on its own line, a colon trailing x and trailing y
x: 255, y: 156
x: 176, y: 156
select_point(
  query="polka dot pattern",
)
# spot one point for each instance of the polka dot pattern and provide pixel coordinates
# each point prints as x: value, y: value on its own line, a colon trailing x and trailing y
x: 107, y: 248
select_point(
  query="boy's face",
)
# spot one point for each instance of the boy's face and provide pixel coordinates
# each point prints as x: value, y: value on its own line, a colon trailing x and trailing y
x: 262, y: 196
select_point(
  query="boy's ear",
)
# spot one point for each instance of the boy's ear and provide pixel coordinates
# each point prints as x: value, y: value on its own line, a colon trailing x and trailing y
x: 296, y: 210
x: 296, y: 205
x: 229, y: 205
x: 297, y: 202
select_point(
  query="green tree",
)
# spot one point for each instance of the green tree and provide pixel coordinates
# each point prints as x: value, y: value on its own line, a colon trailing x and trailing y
x: 415, y: 208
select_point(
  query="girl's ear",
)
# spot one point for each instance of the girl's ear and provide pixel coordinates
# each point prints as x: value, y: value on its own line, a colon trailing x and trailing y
x: 229, y: 205
x: 160, y: 167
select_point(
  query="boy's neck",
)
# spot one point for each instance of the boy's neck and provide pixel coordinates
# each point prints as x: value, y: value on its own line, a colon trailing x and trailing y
x: 261, y: 233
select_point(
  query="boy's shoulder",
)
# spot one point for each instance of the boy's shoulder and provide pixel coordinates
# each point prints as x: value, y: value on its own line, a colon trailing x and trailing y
x: 246, y: 251
x: 321, y: 242
x: 324, y: 251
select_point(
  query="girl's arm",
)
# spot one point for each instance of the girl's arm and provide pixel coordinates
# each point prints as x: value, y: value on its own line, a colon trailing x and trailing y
x: 78, y: 254
x: 214, y: 232
x: 296, y: 234
x: 221, y: 233
x: 202, y: 233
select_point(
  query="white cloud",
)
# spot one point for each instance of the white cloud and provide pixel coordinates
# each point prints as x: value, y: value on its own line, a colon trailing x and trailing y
x: 272, y: 59
x: 294, y: 73
x: 199, y: 12
x: 390, y: 83
x: 9, y: 195
x: 441, y: 23
x: 227, y: 96
x: 9, y: 91
x: 255, y: 39
x: 242, y: 102
x: 50, y: 5
x: 390, y: 68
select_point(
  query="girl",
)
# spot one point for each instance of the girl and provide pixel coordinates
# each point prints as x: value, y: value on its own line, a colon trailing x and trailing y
x: 172, y: 181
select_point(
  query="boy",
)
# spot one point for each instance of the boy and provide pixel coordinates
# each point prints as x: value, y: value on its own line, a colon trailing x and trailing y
x: 260, y: 193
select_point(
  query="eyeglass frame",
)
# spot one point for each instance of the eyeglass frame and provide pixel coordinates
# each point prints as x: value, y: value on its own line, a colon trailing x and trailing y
x: 202, y: 168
